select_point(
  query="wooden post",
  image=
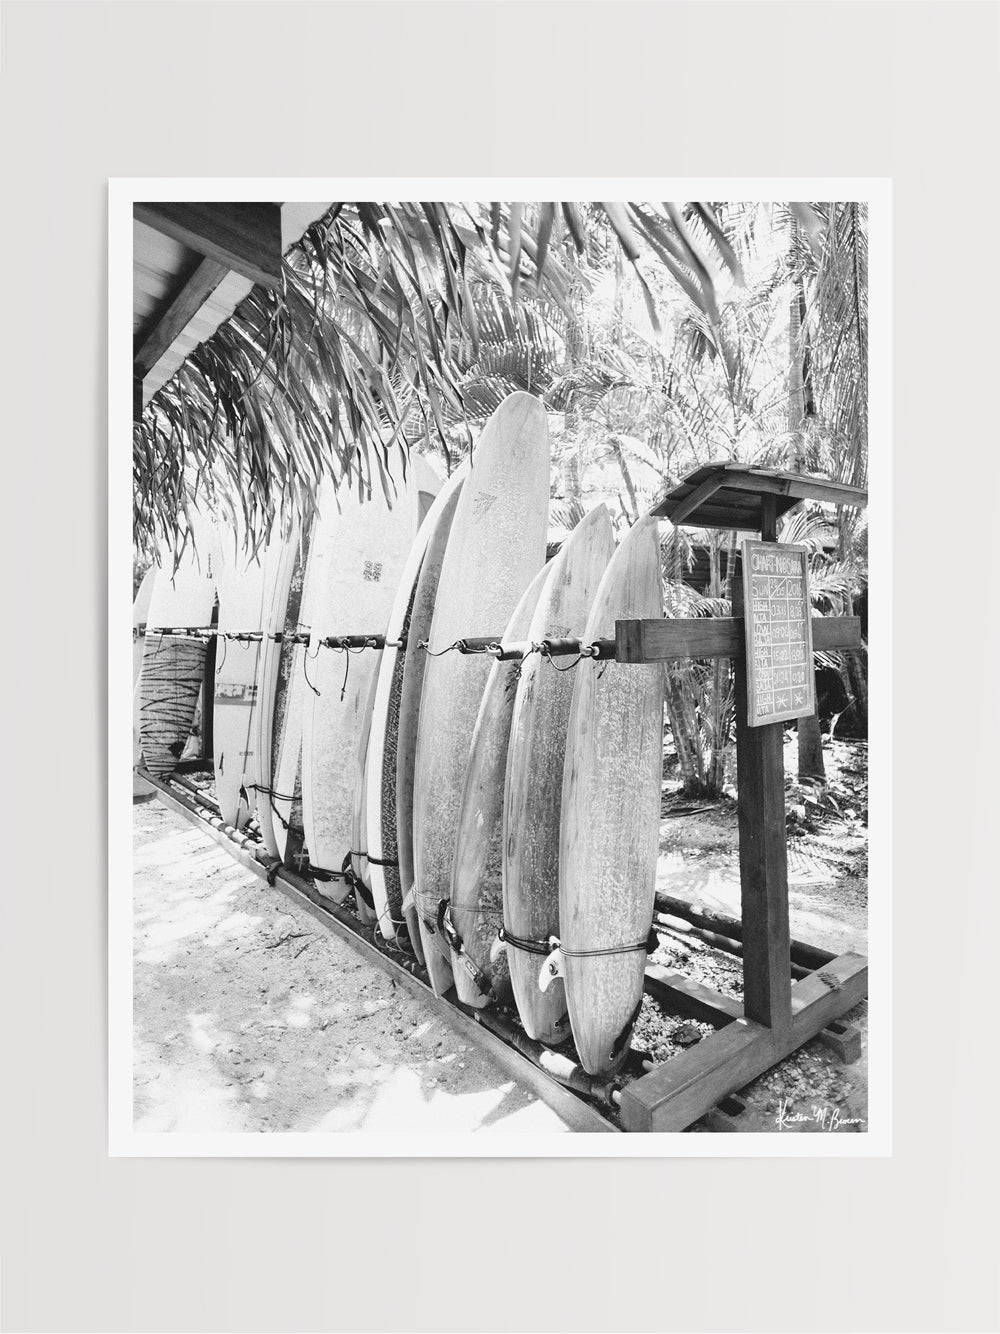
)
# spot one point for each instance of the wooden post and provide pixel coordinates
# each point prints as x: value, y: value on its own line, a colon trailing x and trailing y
x: 763, y: 854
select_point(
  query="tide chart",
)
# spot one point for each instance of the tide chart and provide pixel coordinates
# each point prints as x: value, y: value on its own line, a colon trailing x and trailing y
x: 780, y: 679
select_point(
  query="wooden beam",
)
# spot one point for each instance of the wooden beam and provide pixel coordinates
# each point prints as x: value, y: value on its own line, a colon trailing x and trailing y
x: 700, y: 494
x: 760, y: 782
x: 809, y: 956
x: 715, y: 637
x: 677, y: 1093
x: 158, y: 336
x: 682, y: 995
x: 799, y: 487
x: 244, y: 237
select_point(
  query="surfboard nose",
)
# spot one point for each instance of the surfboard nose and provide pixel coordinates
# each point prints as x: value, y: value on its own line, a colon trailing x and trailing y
x: 520, y: 410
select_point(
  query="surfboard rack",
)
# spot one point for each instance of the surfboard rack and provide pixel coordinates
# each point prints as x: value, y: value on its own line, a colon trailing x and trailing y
x: 586, y: 1103
x: 778, y: 1015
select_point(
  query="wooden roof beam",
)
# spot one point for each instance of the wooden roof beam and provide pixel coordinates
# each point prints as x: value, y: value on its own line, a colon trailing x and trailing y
x: 801, y: 487
x: 159, y: 335
x: 244, y: 237
x: 690, y: 503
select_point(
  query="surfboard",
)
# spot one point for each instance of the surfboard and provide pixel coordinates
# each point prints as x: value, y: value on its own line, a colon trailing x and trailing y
x: 611, y: 814
x: 389, y: 781
x: 359, y: 833
x: 286, y: 828
x: 476, y: 882
x: 279, y: 566
x: 496, y: 546
x: 241, y: 588
x: 534, y: 776
x: 359, y: 551
x: 173, y: 667
x: 140, y: 611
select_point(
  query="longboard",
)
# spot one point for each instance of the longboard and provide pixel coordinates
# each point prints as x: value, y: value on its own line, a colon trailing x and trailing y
x: 358, y: 553
x: 241, y: 590
x: 284, y: 835
x: 534, y: 778
x: 476, y: 882
x: 359, y: 832
x: 173, y: 667
x: 279, y: 567
x: 389, y: 782
x: 611, y: 814
x: 496, y: 546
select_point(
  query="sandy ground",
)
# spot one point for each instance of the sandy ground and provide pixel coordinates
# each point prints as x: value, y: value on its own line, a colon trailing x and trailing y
x: 249, y: 1016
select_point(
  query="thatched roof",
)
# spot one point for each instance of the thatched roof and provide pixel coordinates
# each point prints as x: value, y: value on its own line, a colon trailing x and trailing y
x: 370, y: 341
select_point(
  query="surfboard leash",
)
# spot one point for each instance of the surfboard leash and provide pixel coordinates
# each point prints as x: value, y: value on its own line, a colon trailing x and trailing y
x: 446, y: 925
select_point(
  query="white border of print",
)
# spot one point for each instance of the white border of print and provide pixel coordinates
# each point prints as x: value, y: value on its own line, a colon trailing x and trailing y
x: 123, y: 1140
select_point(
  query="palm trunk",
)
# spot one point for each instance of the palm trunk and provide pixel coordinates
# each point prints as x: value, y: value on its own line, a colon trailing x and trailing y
x: 810, y: 739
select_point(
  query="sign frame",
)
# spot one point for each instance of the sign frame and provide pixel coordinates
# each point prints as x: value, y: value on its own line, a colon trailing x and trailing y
x: 753, y: 627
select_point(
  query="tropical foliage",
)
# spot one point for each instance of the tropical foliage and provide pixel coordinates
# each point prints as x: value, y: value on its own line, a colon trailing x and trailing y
x: 383, y: 309
x: 660, y: 337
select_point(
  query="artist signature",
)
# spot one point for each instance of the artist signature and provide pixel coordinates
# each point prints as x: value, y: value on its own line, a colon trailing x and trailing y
x: 826, y: 1118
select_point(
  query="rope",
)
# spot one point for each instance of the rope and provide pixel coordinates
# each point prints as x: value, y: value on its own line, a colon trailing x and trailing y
x: 543, y: 649
x: 307, y: 658
x: 542, y: 947
x: 648, y: 946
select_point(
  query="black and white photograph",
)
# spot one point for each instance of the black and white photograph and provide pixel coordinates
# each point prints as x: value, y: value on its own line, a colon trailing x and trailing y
x: 532, y: 866
x: 500, y: 644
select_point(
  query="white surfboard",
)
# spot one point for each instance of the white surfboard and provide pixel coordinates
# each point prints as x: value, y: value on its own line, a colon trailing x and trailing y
x: 358, y: 554
x: 279, y: 566
x: 496, y: 546
x: 289, y: 702
x: 241, y: 609
x: 392, y: 746
x: 534, y: 777
x: 476, y: 882
x: 611, y: 814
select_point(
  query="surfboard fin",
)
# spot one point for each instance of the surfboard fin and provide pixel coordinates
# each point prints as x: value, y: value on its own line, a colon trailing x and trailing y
x: 553, y: 967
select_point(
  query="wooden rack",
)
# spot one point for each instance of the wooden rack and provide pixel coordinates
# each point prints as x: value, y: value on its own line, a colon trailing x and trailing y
x: 778, y: 1015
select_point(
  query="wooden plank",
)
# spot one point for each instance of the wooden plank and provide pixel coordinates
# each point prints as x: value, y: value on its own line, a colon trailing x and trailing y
x: 684, y: 1088
x: 678, y: 637
x: 701, y: 493
x: 810, y: 956
x: 715, y: 637
x: 682, y: 995
x: 158, y: 337
x: 244, y: 237
x: 578, y: 1114
x: 760, y: 782
x: 797, y: 487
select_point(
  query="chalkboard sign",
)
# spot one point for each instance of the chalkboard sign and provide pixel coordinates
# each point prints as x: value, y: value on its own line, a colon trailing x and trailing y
x: 778, y: 620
